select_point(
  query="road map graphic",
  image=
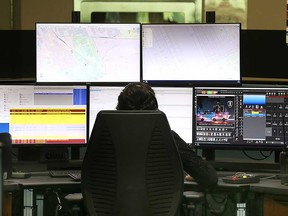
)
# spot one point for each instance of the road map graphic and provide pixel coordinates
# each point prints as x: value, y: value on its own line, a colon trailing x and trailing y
x: 88, y: 53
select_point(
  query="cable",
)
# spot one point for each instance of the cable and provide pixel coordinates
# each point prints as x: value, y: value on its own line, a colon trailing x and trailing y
x: 266, y: 156
x: 221, y: 204
x: 253, y: 158
x: 218, y: 201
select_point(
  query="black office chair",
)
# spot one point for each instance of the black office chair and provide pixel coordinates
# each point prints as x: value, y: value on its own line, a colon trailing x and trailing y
x: 6, y: 141
x: 5, y: 167
x: 132, y: 166
x: 1, y: 178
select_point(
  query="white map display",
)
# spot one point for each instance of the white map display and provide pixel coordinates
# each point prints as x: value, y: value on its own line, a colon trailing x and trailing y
x: 191, y: 52
x: 77, y: 52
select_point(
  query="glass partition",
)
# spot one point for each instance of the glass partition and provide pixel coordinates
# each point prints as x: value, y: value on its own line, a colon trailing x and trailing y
x: 153, y: 11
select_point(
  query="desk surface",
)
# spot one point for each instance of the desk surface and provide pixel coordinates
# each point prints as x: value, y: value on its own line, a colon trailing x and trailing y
x: 267, y: 186
x: 35, y: 181
x: 38, y: 182
x: 10, y: 185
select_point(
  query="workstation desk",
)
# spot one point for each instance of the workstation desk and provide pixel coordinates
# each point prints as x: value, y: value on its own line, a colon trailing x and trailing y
x: 265, y: 198
x: 36, y: 194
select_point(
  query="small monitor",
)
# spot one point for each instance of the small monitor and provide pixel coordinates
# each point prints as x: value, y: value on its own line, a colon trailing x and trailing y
x: 87, y: 52
x: 175, y: 102
x: 44, y: 115
x: 191, y: 53
x: 240, y: 118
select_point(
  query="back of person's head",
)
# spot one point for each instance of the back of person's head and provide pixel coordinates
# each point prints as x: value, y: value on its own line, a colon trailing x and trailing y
x: 137, y: 96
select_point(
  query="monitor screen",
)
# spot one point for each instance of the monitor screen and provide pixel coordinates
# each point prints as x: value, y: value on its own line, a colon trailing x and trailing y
x: 34, y: 114
x: 240, y: 117
x: 188, y: 53
x: 102, y: 98
x: 87, y: 52
x: 175, y: 102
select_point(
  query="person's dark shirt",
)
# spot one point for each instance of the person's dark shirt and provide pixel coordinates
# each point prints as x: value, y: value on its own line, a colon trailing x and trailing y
x: 140, y: 96
x: 203, y: 173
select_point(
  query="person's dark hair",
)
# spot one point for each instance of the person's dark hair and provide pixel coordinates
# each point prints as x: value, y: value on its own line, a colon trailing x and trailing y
x: 137, y: 96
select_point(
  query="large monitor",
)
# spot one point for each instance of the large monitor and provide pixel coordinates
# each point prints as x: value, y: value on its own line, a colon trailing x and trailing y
x: 175, y: 102
x: 87, y: 53
x: 44, y: 114
x: 191, y: 53
x: 240, y: 118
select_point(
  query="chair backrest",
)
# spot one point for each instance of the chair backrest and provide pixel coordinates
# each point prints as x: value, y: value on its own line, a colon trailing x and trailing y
x: 132, y: 166
x: 1, y: 177
x: 6, y: 141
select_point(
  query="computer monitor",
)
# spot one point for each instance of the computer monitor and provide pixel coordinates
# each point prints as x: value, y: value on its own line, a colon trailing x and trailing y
x: 240, y: 118
x: 44, y: 115
x: 191, y: 53
x: 102, y: 98
x: 175, y: 102
x: 18, y: 58
x: 87, y: 53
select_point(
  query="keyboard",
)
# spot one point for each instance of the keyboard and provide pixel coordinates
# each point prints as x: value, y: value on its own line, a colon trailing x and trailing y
x: 75, y: 176
x: 241, y: 178
x: 63, y: 173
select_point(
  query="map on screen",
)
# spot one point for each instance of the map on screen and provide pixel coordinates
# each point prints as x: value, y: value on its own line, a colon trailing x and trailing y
x: 77, y: 52
x: 191, y: 52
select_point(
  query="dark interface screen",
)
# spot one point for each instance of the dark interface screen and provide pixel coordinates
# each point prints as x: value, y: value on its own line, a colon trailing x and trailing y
x: 240, y: 117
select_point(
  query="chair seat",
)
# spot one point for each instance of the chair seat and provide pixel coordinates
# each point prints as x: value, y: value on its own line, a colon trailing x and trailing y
x: 193, y: 196
x: 75, y: 197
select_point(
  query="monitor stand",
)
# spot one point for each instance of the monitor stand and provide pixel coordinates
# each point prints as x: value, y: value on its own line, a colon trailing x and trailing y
x: 43, y: 154
x: 209, y: 154
x: 46, y: 158
x: 75, y: 153
x: 283, y: 159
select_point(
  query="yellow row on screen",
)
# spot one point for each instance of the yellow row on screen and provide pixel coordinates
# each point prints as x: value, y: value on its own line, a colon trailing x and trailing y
x: 47, y: 116
x: 39, y: 138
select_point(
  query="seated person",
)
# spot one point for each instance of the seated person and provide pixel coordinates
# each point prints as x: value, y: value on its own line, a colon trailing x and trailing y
x: 140, y: 96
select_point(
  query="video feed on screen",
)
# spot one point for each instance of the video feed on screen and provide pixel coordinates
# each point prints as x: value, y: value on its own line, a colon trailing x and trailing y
x: 215, y: 111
